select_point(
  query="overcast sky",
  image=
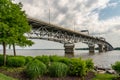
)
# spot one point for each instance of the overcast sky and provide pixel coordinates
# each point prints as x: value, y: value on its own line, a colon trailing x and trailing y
x: 100, y: 17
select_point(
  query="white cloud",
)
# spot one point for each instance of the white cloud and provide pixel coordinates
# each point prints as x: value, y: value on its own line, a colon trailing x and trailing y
x: 65, y: 12
x: 62, y: 3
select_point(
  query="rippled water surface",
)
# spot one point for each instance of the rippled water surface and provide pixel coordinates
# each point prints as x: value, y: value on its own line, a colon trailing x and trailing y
x: 100, y: 59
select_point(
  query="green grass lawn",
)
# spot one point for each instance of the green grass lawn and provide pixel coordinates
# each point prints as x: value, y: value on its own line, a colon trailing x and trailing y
x: 104, y: 77
x: 4, y: 77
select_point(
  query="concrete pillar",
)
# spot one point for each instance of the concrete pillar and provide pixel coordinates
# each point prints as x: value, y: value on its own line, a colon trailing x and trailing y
x: 91, y: 48
x: 106, y: 48
x: 69, y: 48
x: 100, y: 48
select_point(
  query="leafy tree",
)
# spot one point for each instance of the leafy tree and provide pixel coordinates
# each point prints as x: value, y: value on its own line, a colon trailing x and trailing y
x: 19, y: 22
x: 13, y: 25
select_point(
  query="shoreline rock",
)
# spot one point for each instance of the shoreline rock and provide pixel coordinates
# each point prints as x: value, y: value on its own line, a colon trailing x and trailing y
x: 104, y: 70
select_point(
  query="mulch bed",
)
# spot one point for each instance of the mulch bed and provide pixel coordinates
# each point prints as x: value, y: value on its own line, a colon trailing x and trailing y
x: 22, y: 76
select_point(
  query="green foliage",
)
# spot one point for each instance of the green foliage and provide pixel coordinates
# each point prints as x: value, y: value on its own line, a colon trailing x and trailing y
x: 28, y: 59
x: 58, y: 69
x: 1, y: 60
x: 13, y: 23
x: 89, y: 64
x: 65, y: 60
x: 55, y: 58
x: 77, y: 67
x: 35, y: 68
x: 15, y: 61
x: 44, y: 59
x: 4, y: 29
x: 116, y: 67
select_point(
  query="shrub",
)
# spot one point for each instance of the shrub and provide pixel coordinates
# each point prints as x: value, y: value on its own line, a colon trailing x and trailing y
x: 44, y: 59
x: 28, y: 59
x: 55, y: 58
x: 1, y: 60
x: 65, y: 60
x: 77, y: 67
x: 89, y: 64
x: 116, y: 67
x: 35, y: 68
x: 15, y: 61
x: 58, y: 69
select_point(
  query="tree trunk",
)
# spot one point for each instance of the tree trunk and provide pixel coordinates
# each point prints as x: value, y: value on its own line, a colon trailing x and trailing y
x: 14, y: 49
x: 4, y: 53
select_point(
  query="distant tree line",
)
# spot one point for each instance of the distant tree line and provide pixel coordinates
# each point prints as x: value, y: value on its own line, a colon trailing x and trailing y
x: 84, y: 48
x: 117, y: 48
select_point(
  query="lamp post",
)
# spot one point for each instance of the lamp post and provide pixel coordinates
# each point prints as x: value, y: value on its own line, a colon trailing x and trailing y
x: 74, y: 25
x: 49, y: 10
x: 49, y: 15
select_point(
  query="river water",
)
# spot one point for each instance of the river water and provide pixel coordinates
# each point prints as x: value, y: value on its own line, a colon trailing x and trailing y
x: 104, y: 59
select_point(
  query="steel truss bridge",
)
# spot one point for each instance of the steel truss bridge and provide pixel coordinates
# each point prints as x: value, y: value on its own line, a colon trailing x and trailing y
x: 51, y: 32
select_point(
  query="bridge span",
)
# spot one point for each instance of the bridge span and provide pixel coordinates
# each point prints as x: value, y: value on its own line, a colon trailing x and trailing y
x: 48, y: 31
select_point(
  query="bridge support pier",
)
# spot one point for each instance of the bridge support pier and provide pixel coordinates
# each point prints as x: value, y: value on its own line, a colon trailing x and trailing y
x: 106, y: 48
x: 69, y: 48
x: 100, y: 48
x: 91, y: 48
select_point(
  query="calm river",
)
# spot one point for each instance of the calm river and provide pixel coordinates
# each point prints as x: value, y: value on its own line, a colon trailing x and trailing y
x: 100, y: 59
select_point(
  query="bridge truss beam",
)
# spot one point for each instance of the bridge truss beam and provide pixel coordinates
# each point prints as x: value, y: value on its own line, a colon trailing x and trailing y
x: 46, y: 31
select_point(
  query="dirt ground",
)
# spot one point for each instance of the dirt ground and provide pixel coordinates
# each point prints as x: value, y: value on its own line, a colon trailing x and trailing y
x: 22, y: 76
